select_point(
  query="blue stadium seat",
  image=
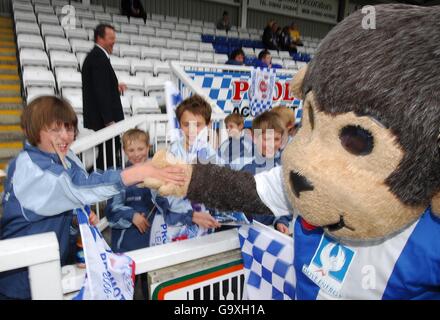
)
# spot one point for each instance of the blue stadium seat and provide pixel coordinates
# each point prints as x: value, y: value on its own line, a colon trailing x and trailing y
x: 207, y: 38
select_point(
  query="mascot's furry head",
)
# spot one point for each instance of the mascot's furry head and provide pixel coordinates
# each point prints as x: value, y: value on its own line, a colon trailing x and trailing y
x: 366, y: 162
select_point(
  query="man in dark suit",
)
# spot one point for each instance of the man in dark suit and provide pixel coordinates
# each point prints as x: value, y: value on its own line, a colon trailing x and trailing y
x: 101, y: 92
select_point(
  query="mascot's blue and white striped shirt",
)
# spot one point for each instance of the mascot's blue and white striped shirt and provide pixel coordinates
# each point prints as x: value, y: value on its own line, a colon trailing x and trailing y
x: 403, y: 266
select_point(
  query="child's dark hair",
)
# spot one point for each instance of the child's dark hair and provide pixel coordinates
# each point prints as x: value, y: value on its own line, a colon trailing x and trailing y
x: 263, y: 54
x: 235, y: 118
x: 43, y: 112
x: 197, y: 106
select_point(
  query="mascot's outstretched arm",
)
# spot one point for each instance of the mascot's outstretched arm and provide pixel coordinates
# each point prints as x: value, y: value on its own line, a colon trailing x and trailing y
x: 214, y: 186
x: 224, y: 189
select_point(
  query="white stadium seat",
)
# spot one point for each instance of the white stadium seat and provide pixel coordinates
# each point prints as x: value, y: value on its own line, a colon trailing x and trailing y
x: 126, y: 105
x: 206, y: 47
x: 174, y: 44
x: 139, y: 40
x: 152, y: 23
x: 185, y: 21
x: 68, y: 78
x: 154, y: 84
x: 220, y: 58
x: 158, y: 42
x: 77, y: 34
x: 147, y: 30
x: 161, y: 67
x: 137, y: 21
x: 35, y: 92
x: 76, y: 102
x: 192, y: 36
x: 129, y: 28
x: 29, y: 41
x: 143, y: 66
x: 57, y: 43
x: 33, y: 57
x: 178, y: 35
x: 163, y: 33
x: 26, y: 16
x: 120, y: 64
x: 205, y: 57
x: 129, y: 51
x: 27, y: 27
x: 169, y: 54
x: 51, y: 30
x: 188, y: 56
x: 158, y: 17
x: 122, y: 38
x: 63, y: 59
x: 38, y: 78
x: 79, y: 45
x: 103, y: 17
x: 182, y: 27
x: 144, y: 105
x: 171, y: 19
x: 191, y: 45
x: 150, y: 53
x: 167, y: 25
x: 120, y: 19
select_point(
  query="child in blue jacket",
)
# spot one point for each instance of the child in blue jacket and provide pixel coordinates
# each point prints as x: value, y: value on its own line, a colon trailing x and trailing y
x: 47, y: 181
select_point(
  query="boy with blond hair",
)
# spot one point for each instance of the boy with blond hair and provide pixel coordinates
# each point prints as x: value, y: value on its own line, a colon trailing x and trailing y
x: 269, y: 134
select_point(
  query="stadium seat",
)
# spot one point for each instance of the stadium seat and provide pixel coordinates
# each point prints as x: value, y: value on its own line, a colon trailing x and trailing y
x: 182, y: 27
x: 167, y: 25
x: 122, y: 38
x: 79, y: 45
x: 137, y: 21
x: 126, y: 51
x: 205, y: 57
x: 126, y: 105
x: 154, y: 84
x: 63, y: 59
x: 96, y: 8
x: 84, y: 14
x: 171, y: 19
x: 77, y: 34
x: 163, y: 33
x: 188, y: 56
x: 198, y: 23
x: 139, y: 40
x: 33, y: 57
x: 112, y: 10
x: 143, y: 66
x: 129, y: 29
x: 158, y: 42
x: 157, y: 17
x: 89, y: 24
x: 206, y: 47
x: 120, y: 19
x: 144, y: 105
x: 152, y: 23
x: 37, y: 78
x: 76, y: 102
x: 29, y: 41
x: 211, y: 31
x: 147, y: 31
x: 120, y: 64
x: 169, y: 54
x: 24, y: 6
x: 196, y: 29
x: 67, y: 78
x: 290, y: 64
x: 178, y: 35
x: 57, y: 43
x: 81, y: 56
x: 47, y: 9
x: 192, y: 36
x: 174, y: 44
x: 132, y: 82
x: 220, y: 58
x: 34, y: 92
x: 284, y: 55
x: 150, y: 53
x: 25, y: 16
x: 103, y: 17
x: 184, y: 21
x: 27, y: 28
x: 160, y: 67
x: 51, y: 30
x: 191, y: 45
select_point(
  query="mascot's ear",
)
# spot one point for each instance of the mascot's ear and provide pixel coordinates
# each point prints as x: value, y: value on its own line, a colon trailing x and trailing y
x: 297, y: 82
x: 435, y: 204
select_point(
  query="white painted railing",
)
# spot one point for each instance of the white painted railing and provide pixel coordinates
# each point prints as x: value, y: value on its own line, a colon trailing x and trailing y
x: 41, y: 255
x: 153, y: 258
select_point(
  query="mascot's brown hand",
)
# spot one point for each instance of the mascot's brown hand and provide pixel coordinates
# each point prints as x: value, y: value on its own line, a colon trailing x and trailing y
x: 163, y: 159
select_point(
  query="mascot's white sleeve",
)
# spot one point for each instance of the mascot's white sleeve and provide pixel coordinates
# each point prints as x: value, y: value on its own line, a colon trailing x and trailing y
x: 270, y: 189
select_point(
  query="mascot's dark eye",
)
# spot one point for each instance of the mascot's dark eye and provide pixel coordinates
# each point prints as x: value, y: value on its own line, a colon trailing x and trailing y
x: 356, y: 140
x: 311, y: 118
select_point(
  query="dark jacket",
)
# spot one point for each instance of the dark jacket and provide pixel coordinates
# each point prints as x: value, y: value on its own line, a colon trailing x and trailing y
x: 101, y: 99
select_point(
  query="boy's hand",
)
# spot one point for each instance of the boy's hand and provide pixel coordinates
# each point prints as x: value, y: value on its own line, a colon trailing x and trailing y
x: 205, y: 220
x: 93, y: 218
x: 282, y: 228
x: 140, y: 222
x: 168, y: 187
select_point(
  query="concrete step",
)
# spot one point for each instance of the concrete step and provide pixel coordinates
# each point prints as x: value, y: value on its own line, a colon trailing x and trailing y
x: 7, y: 44
x: 8, y: 60
x: 8, y: 69
x: 10, y: 117
x: 11, y: 133
x: 10, y: 101
x: 10, y: 149
x: 10, y: 90
x: 9, y: 79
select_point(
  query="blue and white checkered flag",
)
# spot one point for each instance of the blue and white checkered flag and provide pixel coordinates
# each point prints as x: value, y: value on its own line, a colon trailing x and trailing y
x: 261, y: 90
x: 172, y: 99
x: 268, y: 263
